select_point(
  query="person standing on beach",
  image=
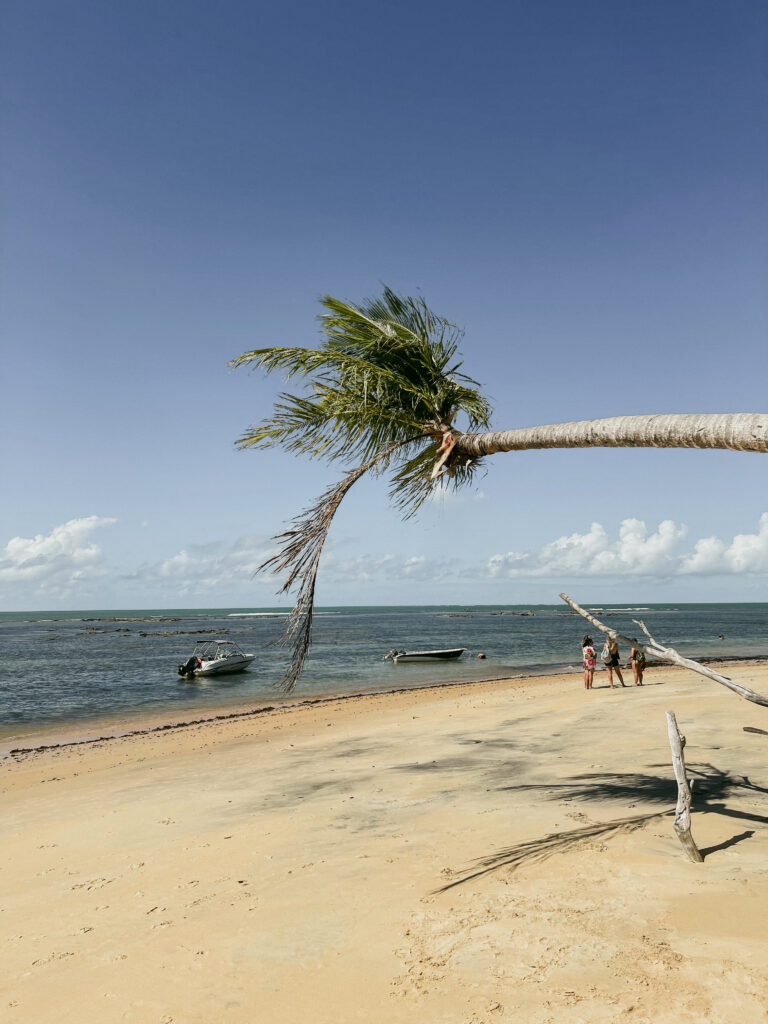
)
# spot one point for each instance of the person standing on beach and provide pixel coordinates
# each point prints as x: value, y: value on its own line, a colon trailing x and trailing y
x: 588, y: 659
x: 611, y: 659
x: 637, y: 661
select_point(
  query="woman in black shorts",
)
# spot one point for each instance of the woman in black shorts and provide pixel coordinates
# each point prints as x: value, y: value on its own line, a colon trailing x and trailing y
x: 613, y: 665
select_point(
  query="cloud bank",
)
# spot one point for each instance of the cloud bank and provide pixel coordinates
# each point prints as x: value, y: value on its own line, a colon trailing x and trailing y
x: 67, y: 562
x: 207, y: 568
x: 636, y: 552
x: 57, y: 563
x: 200, y: 569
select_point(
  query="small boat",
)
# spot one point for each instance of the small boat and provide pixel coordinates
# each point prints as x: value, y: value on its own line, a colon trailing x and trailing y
x: 450, y: 655
x: 215, y: 657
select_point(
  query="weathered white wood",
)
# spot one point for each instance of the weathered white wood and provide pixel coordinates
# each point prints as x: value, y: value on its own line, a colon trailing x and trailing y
x: 682, y: 823
x: 655, y: 650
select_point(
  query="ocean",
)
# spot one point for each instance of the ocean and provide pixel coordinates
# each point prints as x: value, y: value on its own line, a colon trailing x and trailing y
x: 76, y: 668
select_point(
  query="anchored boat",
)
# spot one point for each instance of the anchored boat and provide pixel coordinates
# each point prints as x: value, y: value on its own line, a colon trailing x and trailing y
x: 448, y: 655
x: 215, y: 657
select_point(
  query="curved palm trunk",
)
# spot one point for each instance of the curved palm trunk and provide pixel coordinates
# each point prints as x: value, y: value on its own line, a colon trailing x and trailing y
x: 741, y: 432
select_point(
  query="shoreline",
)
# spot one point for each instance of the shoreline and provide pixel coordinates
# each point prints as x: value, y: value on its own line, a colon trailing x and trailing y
x: 498, y: 851
x: 56, y: 735
x: 241, y: 712
x: 59, y: 735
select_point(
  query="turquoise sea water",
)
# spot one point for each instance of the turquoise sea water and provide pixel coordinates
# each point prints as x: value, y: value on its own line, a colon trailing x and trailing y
x: 68, y: 668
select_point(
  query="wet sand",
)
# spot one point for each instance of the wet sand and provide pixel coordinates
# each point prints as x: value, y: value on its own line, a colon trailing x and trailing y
x: 493, y: 852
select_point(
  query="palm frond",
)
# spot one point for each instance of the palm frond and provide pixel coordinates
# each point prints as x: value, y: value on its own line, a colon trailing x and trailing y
x: 345, y: 431
x: 412, y: 483
x: 382, y: 391
x: 384, y: 369
x: 299, y: 558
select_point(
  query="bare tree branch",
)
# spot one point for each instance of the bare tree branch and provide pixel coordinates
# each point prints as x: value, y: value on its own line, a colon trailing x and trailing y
x: 682, y: 823
x: 653, y: 649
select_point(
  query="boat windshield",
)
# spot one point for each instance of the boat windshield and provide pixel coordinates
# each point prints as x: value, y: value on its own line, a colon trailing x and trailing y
x: 214, y: 650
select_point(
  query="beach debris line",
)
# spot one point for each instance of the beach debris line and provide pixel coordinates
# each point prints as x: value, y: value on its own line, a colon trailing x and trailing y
x: 682, y: 822
x: 654, y: 649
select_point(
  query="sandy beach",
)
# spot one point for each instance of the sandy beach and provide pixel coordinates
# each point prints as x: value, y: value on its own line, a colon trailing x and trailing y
x: 466, y: 855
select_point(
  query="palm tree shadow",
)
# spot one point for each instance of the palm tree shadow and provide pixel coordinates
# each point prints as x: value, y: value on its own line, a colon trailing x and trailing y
x: 711, y: 786
x: 709, y: 783
x: 546, y: 847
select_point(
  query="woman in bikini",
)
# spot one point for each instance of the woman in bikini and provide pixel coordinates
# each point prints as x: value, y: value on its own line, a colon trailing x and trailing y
x: 588, y: 659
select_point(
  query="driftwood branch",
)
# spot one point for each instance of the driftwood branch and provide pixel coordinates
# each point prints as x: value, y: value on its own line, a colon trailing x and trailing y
x: 682, y: 823
x: 655, y: 650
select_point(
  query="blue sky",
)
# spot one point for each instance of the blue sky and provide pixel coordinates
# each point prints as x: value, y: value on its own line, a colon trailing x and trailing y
x: 581, y: 186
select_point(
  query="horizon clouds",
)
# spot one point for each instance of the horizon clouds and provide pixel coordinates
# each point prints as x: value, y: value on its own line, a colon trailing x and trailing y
x: 67, y: 562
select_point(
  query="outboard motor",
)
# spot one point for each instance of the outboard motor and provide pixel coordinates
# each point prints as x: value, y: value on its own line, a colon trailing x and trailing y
x: 187, y: 670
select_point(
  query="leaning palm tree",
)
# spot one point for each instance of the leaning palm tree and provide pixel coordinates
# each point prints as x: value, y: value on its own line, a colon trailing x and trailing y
x: 384, y: 393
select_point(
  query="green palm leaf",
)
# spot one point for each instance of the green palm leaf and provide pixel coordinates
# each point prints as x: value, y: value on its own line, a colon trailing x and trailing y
x: 380, y: 394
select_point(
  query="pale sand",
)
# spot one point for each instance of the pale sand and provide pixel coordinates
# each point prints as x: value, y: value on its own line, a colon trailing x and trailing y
x: 284, y: 868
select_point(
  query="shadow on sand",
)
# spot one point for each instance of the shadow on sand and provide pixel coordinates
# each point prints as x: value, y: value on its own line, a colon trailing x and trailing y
x: 711, y: 787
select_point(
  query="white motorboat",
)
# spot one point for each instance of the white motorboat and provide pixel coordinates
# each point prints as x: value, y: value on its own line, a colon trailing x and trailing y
x: 215, y: 657
x: 448, y: 655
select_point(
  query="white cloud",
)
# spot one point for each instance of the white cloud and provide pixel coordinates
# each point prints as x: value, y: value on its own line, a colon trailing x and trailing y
x: 358, y: 569
x: 747, y: 554
x: 204, y: 568
x: 369, y: 568
x: 199, y: 569
x: 636, y: 552
x: 56, y: 563
x: 633, y: 551
x: 62, y: 563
